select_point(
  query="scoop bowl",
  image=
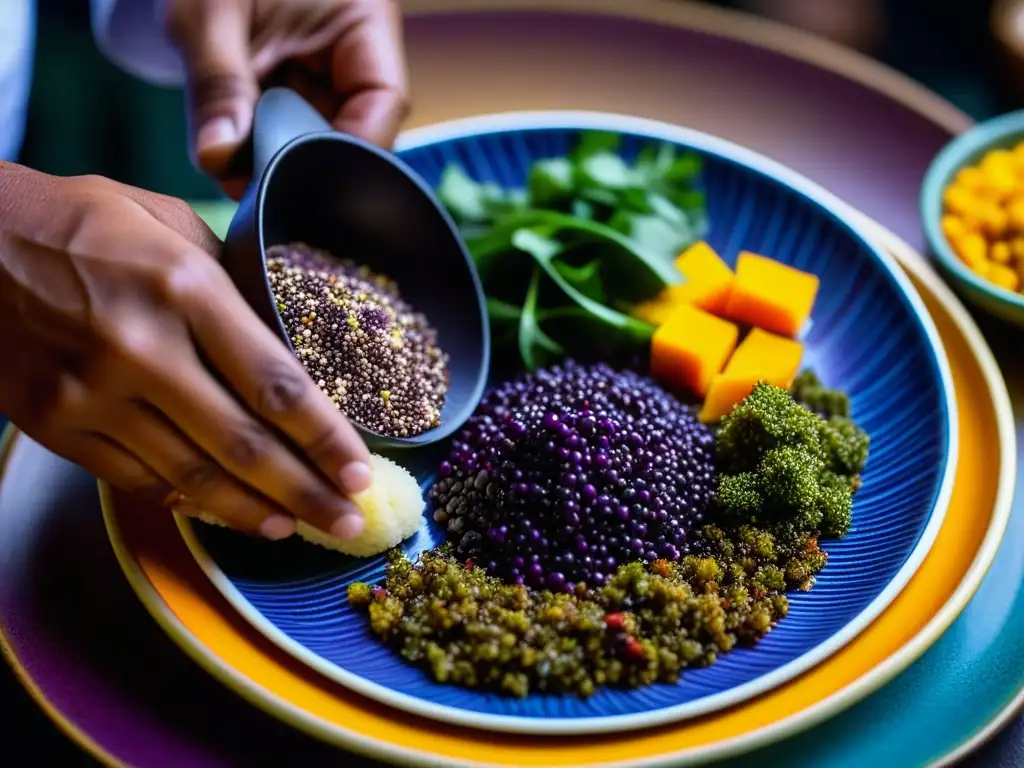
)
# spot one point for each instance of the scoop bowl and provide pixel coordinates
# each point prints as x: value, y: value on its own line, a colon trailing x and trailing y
x: 335, y: 192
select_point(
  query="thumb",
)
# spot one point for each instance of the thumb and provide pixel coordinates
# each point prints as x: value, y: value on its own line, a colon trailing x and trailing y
x: 213, y: 36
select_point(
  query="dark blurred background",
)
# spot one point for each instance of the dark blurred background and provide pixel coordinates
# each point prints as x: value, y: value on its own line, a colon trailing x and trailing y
x: 86, y: 116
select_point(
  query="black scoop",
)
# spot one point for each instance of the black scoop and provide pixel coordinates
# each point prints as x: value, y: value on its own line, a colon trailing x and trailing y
x: 332, y: 191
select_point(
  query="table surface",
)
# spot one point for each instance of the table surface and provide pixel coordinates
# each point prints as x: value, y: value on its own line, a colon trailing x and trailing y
x: 24, y: 722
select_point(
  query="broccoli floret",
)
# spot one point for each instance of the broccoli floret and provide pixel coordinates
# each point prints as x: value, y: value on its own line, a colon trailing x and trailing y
x: 788, y: 479
x: 767, y: 418
x: 808, y: 390
x: 835, y: 505
x: 739, y: 496
x: 846, y: 445
x: 784, y: 465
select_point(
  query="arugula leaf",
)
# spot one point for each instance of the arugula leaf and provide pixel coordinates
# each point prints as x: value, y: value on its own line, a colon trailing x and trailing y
x: 593, y: 142
x: 470, y: 201
x: 604, y: 170
x: 658, y: 235
x: 504, y: 320
x: 535, y: 346
x: 502, y: 310
x: 597, y: 232
x: 590, y: 336
x: 538, y: 243
x: 654, y: 271
x: 582, y: 209
x: 586, y: 277
x: 550, y: 182
x: 461, y: 195
x: 601, y: 197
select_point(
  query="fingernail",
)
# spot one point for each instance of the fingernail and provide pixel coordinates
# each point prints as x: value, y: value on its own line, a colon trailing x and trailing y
x: 216, y: 139
x: 186, y: 510
x: 347, y: 527
x: 276, y: 527
x: 355, y: 477
x: 174, y: 499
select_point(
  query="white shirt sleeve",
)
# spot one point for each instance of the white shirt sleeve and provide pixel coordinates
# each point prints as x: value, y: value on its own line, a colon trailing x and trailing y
x: 130, y: 33
x: 17, y: 42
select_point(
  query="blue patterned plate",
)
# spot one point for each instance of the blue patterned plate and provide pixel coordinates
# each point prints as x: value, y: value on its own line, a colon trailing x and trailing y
x: 871, y: 335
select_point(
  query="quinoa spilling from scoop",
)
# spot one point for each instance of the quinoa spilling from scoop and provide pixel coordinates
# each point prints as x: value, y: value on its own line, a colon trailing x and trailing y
x: 565, y: 474
x: 648, y: 623
x: 367, y: 349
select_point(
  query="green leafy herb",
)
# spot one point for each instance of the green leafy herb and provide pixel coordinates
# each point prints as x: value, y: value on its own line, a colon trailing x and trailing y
x: 539, y: 244
x: 535, y: 346
x: 592, y: 233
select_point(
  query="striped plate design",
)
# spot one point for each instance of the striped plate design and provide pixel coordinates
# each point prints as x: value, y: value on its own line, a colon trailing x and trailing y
x: 870, y: 335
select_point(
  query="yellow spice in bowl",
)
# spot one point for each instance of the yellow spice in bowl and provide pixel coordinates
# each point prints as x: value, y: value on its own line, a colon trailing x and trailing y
x: 983, y: 217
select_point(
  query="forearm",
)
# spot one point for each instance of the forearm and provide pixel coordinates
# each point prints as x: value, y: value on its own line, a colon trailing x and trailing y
x: 131, y: 34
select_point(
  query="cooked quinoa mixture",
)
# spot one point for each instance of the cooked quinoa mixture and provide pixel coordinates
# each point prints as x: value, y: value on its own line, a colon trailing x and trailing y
x: 367, y: 349
x: 646, y: 624
x: 601, y: 536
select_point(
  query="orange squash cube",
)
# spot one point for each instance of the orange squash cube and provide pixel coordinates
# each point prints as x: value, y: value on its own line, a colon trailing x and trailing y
x: 773, y: 358
x: 771, y: 295
x: 761, y: 356
x: 690, y: 348
x: 657, y: 310
x: 724, y: 393
x: 708, y: 279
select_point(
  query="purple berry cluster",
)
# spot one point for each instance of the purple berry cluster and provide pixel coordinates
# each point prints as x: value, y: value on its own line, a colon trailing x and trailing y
x: 564, y: 474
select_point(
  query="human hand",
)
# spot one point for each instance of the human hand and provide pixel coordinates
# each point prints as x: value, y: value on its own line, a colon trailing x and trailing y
x: 120, y: 328
x: 344, y: 56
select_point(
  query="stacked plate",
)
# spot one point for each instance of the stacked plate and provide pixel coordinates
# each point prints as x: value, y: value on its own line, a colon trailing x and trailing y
x: 271, y: 620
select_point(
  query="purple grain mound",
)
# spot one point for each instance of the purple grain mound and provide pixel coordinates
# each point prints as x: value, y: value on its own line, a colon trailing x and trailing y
x: 564, y: 474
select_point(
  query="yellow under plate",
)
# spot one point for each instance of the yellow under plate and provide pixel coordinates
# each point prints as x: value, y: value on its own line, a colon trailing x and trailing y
x: 176, y: 592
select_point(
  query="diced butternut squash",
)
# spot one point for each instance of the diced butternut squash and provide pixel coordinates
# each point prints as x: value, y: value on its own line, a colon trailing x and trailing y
x: 761, y: 356
x: 723, y: 395
x: 657, y: 310
x: 708, y: 279
x: 771, y: 295
x: 690, y: 348
x: 727, y: 391
x: 768, y: 356
x: 708, y: 284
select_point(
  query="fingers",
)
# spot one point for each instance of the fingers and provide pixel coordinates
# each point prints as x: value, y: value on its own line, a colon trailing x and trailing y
x: 195, y: 474
x: 376, y: 116
x: 102, y: 458
x: 277, y: 388
x: 177, y: 215
x: 196, y: 402
x: 368, y: 66
x: 213, y: 36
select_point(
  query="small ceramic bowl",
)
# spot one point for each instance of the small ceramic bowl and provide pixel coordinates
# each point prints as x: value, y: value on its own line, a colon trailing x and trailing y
x: 966, y: 149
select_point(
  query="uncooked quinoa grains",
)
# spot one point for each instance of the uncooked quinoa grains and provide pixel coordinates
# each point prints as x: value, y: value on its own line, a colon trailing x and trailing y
x: 368, y: 350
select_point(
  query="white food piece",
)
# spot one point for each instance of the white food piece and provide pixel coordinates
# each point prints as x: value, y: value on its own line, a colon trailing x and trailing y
x: 392, y: 510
